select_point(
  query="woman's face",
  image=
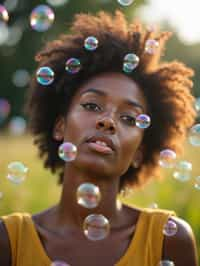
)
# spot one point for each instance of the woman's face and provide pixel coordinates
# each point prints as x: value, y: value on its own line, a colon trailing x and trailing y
x: 101, y: 123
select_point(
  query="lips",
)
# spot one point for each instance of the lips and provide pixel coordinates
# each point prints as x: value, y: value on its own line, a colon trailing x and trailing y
x: 102, y: 141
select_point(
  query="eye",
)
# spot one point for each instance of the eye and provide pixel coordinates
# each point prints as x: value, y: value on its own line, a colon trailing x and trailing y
x: 129, y: 120
x: 91, y: 107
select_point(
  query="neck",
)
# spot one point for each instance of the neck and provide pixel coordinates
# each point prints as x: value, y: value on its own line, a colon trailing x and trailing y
x: 70, y: 212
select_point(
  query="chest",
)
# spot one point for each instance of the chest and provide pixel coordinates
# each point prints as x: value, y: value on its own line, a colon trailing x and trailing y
x: 80, y: 251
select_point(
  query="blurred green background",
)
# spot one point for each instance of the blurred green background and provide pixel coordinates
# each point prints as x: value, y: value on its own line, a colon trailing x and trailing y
x: 40, y: 189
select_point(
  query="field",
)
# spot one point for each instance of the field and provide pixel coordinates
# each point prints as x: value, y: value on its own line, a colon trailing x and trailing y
x: 40, y: 189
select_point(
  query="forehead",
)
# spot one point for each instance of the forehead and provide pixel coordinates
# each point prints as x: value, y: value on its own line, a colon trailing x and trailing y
x: 115, y: 86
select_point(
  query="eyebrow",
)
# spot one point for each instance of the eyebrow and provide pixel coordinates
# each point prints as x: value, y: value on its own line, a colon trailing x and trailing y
x: 102, y: 93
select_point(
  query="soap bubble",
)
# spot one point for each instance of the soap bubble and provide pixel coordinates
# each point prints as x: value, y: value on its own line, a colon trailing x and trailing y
x: 183, y: 171
x: 194, y: 135
x: 166, y: 263
x: 197, y: 105
x: 125, y: 2
x: 73, y: 65
x: 59, y: 263
x: 4, y: 17
x: 57, y: 3
x: 143, y: 121
x: 151, y: 46
x: 45, y: 76
x: 17, y: 126
x: 88, y: 195
x: 167, y: 158
x: 96, y: 227
x: 131, y: 61
x: 4, y: 109
x: 67, y: 151
x: 17, y: 172
x: 41, y: 18
x: 91, y: 43
x: 21, y: 78
x: 170, y: 228
x: 197, y: 183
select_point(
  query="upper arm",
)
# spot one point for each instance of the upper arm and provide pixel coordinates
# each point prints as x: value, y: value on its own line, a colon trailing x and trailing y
x: 5, y: 251
x: 181, y: 248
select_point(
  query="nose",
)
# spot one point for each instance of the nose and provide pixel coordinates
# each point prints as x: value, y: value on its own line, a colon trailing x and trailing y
x: 106, y: 124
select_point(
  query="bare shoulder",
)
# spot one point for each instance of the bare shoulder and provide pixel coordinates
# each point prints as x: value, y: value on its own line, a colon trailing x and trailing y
x: 5, y: 254
x: 181, y: 248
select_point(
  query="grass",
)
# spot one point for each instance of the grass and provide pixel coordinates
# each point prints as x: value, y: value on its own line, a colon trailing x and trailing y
x: 40, y: 190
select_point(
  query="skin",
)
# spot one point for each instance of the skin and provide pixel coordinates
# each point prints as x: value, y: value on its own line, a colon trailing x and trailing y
x: 102, y: 110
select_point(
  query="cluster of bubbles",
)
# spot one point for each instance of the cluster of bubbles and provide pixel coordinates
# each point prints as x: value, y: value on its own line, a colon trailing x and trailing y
x: 88, y: 195
x: 130, y: 62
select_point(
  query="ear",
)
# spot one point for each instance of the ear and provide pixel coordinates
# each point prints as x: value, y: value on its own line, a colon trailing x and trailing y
x: 58, y: 132
x: 138, y: 157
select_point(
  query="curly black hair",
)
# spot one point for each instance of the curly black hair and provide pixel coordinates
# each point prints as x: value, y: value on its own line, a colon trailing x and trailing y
x: 166, y: 86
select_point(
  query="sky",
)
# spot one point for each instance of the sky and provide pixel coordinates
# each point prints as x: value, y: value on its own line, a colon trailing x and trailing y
x: 182, y: 15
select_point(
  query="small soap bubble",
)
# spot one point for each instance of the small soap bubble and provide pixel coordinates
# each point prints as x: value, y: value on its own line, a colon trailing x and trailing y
x: 59, y: 263
x: 88, y: 195
x: 73, y: 65
x: 197, y: 106
x: 167, y: 158
x: 131, y: 61
x: 96, y: 227
x: 17, y: 126
x: 151, y: 46
x: 143, y: 121
x: 197, y: 183
x: 166, y: 263
x: 91, y: 43
x: 17, y: 172
x: 183, y: 171
x: 4, y: 109
x: 45, y: 76
x: 41, y: 18
x: 21, y: 78
x: 57, y: 3
x: 170, y: 228
x: 125, y: 2
x: 194, y: 135
x: 67, y: 151
x: 4, y: 17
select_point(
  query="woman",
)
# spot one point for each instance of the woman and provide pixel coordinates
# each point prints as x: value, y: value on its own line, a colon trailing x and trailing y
x: 94, y: 104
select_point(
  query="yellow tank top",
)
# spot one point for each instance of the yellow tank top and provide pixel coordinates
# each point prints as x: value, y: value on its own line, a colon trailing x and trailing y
x: 145, y: 248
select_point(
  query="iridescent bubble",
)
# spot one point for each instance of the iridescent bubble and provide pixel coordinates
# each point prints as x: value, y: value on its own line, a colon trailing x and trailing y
x: 21, y: 78
x: 96, y: 227
x: 67, y: 151
x: 59, y: 263
x: 41, y: 18
x: 170, y: 228
x: 131, y: 61
x: 91, y: 43
x: 88, y: 195
x: 143, y: 121
x: 45, y: 76
x: 73, y: 65
x: 167, y: 158
x: 57, y: 3
x: 4, y: 17
x: 17, y: 172
x: 151, y: 46
x: 194, y: 135
x: 197, y: 183
x: 166, y: 263
x: 197, y: 106
x: 183, y: 171
x: 125, y: 2
x: 4, y: 109
x: 17, y: 125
